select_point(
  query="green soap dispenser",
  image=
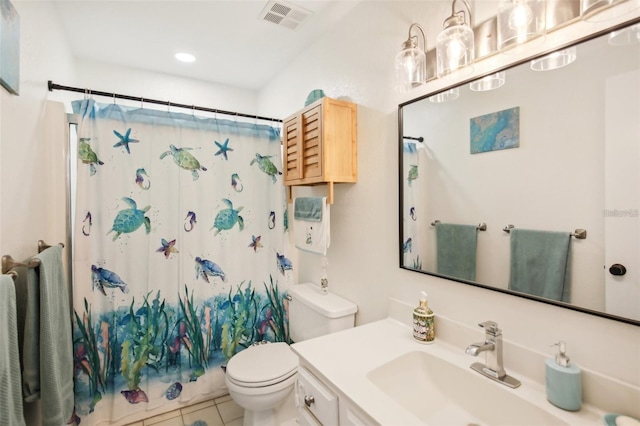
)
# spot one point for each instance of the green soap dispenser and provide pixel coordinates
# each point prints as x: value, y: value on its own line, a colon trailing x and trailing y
x: 423, y: 322
x: 564, y: 381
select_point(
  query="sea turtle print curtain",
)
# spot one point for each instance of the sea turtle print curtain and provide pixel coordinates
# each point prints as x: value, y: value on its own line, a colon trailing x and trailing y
x: 180, y: 255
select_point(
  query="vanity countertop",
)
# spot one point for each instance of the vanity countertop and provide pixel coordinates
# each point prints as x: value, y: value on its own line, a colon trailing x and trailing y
x: 343, y: 360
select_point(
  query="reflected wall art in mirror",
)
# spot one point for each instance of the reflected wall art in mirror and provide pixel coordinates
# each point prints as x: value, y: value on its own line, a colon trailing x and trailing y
x: 547, y: 163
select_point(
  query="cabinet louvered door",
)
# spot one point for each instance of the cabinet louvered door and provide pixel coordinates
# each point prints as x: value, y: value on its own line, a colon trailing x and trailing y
x: 319, y: 145
x: 293, y: 160
x: 311, y: 135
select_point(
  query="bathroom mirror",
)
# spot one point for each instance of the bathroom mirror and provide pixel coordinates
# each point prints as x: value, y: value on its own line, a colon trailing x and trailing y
x: 553, y: 150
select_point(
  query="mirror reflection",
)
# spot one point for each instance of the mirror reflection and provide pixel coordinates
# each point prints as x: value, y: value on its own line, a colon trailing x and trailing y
x: 532, y: 187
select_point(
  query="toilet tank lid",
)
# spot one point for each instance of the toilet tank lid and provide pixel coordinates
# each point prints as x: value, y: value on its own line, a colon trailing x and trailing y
x: 327, y: 304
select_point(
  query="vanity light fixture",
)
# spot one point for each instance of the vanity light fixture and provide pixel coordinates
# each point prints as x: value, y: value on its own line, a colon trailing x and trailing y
x: 490, y: 82
x: 446, y: 96
x: 455, y: 45
x: 555, y: 60
x: 520, y: 21
x: 411, y: 62
x: 626, y: 36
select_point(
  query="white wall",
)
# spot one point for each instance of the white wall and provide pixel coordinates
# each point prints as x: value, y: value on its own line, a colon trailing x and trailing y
x: 27, y: 213
x: 128, y: 81
x: 32, y: 153
x: 356, y: 60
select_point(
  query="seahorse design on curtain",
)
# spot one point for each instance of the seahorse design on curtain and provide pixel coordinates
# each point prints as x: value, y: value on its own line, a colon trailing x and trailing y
x: 162, y: 301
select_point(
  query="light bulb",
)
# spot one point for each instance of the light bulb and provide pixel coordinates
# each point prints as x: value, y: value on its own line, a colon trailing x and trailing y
x: 520, y: 17
x: 455, y: 51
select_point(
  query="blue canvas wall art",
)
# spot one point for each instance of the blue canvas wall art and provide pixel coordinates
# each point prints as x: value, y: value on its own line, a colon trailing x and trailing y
x: 495, y: 131
x: 9, y: 47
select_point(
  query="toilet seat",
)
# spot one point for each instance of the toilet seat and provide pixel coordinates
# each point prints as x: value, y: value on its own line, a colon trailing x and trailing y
x: 262, y: 365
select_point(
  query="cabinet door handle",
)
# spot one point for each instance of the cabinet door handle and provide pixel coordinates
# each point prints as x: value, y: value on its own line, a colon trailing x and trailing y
x: 308, y: 400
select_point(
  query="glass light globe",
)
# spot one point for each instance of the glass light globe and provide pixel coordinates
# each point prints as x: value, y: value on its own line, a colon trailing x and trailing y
x: 590, y: 10
x: 455, y: 51
x: 520, y: 21
x: 446, y: 96
x: 490, y: 82
x: 411, y: 68
x: 555, y: 60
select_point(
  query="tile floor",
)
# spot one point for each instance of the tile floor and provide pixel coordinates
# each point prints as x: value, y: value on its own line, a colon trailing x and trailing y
x: 220, y: 411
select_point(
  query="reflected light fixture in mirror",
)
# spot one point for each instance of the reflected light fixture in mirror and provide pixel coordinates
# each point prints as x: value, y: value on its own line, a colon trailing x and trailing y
x: 411, y: 62
x: 446, y: 96
x: 555, y: 60
x: 185, y: 57
x: 455, y: 44
x: 519, y: 22
x: 490, y: 82
x: 626, y: 36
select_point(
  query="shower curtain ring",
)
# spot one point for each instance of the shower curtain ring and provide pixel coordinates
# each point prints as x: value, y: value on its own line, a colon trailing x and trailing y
x: 86, y: 91
x: 141, y: 102
x: 114, y: 98
x: 193, y: 110
x: 168, y: 106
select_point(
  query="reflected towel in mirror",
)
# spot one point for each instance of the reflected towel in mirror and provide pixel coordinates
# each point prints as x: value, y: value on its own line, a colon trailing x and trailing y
x: 541, y: 263
x: 456, y: 250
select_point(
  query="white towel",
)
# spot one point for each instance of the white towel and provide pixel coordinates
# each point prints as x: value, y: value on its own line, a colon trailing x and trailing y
x: 10, y: 389
x: 311, y: 224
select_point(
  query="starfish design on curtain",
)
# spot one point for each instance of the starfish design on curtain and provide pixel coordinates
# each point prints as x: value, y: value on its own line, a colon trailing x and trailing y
x: 125, y: 140
x: 224, y: 147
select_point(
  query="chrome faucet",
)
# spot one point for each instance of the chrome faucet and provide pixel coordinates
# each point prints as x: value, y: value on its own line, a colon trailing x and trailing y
x: 492, y: 346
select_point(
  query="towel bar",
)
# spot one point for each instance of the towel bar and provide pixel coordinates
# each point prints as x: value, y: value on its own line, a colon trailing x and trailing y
x: 481, y: 226
x: 580, y: 234
x: 42, y: 246
x: 9, y: 262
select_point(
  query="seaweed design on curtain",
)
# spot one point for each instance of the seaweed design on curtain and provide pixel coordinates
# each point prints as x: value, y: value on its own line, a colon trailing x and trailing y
x: 179, y: 265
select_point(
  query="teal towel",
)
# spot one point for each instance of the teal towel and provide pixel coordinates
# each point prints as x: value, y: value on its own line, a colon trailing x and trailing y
x: 56, y: 344
x: 308, y: 208
x: 456, y: 247
x: 21, y: 306
x: 541, y: 263
x: 10, y: 392
x: 31, y: 335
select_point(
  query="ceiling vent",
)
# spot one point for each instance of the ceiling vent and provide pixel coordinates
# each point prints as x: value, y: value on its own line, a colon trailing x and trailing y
x: 284, y: 14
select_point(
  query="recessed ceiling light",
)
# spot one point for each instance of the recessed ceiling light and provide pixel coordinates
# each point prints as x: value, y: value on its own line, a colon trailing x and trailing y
x: 185, y: 57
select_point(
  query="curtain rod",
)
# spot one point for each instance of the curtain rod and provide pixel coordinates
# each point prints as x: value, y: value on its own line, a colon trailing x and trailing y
x: 54, y: 86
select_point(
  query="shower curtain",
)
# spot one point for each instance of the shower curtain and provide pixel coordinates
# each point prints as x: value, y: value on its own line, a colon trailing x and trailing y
x: 414, y: 212
x: 180, y: 255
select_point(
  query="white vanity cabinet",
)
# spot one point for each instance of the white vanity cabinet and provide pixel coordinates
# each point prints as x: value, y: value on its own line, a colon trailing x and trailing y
x: 323, y: 405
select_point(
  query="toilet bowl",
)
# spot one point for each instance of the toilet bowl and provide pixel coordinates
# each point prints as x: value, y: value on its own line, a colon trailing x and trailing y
x: 261, y: 378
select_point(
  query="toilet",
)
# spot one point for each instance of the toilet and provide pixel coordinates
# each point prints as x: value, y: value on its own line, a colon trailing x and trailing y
x: 261, y: 378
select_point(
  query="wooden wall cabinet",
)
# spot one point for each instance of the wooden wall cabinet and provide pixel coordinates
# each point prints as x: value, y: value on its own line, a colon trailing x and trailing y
x: 320, y: 145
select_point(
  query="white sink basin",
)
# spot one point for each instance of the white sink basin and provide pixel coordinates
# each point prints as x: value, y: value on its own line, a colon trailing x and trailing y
x: 442, y: 393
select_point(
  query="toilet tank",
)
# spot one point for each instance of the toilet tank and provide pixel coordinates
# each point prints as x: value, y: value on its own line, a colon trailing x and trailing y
x: 313, y: 313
